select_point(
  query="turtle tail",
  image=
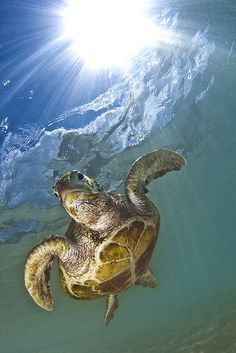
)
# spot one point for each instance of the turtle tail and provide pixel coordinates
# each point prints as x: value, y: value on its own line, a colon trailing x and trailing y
x: 38, y: 266
x: 147, y: 168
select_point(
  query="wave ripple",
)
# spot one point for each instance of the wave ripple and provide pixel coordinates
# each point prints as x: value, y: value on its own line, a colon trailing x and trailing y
x: 140, y: 103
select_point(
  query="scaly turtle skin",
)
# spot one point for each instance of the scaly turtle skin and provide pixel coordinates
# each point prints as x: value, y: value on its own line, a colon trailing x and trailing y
x: 110, y: 239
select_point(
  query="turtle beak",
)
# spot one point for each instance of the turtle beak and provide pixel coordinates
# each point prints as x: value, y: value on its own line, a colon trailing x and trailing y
x: 59, y: 184
x: 54, y: 189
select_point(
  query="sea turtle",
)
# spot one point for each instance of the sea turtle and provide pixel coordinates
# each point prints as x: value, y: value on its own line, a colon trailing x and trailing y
x: 110, y: 240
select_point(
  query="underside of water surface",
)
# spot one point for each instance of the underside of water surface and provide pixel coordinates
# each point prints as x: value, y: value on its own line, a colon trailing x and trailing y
x: 177, y: 95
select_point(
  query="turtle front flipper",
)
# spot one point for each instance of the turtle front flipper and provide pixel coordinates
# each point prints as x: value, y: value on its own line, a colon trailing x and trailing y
x: 147, y: 168
x: 112, y: 305
x: 147, y: 279
x: 39, y: 263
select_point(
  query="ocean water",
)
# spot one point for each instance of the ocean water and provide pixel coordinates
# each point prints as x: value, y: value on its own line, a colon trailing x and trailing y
x: 178, y: 95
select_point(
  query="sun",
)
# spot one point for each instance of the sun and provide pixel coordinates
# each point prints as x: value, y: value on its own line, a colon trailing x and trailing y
x: 107, y: 32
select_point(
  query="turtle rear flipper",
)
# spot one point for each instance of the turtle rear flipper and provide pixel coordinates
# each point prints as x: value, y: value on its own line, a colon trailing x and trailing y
x: 147, y: 168
x: 147, y: 279
x: 112, y: 305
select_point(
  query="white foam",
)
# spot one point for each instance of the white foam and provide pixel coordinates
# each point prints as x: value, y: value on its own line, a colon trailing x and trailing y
x: 143, y: 100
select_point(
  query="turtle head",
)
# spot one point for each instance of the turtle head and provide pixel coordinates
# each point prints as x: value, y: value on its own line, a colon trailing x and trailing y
x: 77, y: 192
x: 76, y: 185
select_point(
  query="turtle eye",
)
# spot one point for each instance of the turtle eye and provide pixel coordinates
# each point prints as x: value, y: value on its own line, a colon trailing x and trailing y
x: 80, y: 176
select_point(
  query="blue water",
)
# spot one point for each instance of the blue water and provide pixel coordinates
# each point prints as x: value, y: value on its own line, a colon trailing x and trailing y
x: 57, y: 116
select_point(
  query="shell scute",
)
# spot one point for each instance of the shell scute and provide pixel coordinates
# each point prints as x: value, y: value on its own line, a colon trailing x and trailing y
x: 145, y: 240
x: 90, y: 283
x: 145, y: 257
x: 81, y: 291
x: 135, y: 230
x: 121, y: 236
x: 115, y: 284
x: 109, y: 270
x: 113, y: 252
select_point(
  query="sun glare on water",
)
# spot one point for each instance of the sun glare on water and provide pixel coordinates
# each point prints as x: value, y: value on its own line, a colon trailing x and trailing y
x: 108, y: 32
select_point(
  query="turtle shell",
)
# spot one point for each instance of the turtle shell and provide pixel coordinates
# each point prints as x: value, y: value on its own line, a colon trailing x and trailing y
x: 118, y: 262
